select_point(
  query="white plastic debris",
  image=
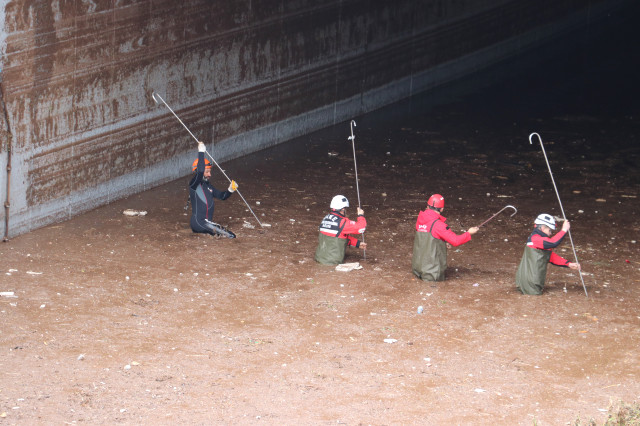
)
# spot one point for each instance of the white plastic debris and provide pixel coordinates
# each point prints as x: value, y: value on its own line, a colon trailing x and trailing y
x: 34, y: 273
x: 248, y: 225
x: 7, y: 294
x: 347, y: 267
x: 131, y: 212
x: 390, y: 340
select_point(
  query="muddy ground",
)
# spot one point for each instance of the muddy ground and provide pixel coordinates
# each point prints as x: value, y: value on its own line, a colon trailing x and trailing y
x: 135, y: 320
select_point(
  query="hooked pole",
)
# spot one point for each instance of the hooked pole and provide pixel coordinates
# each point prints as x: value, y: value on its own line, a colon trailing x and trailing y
x: 501, y: 210
x: 352, y: 138
x: 564, y: 217
x: 157, y: 99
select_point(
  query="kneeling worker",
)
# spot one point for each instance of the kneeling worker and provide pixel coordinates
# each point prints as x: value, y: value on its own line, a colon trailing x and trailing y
x: 202, y: 193
x: 429, y: 244
x: 334, y: 232
x: 532, y: 271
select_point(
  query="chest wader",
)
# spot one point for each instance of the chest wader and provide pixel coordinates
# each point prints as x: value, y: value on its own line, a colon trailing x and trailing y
x: 429, y: 256
x: 532, y: 271
x: 330, y: 250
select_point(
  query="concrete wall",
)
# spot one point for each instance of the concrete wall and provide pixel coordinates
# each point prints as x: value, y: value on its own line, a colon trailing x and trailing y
x: 77, y: 78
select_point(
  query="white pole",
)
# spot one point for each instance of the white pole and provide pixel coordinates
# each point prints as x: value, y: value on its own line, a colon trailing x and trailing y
x: 561, y: 208
x: 352, y: 138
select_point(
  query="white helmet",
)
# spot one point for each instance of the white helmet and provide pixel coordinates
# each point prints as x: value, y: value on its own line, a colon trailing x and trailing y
x: 546, y: 219
x: 339, y: 202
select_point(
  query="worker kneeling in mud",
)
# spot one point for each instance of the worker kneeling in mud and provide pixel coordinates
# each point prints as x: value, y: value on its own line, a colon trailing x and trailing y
x: 201, y: 195
x: 430, y: 241
x: 334, y: 232
x: 532, y: 271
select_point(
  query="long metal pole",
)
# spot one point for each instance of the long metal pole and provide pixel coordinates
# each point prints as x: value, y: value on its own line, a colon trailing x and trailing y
x: 561, y: 208
x: 157, y: 98
x: 501, y: 210
x: 352, y: 138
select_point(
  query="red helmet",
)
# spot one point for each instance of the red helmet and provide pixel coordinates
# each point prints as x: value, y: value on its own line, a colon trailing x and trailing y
x: 194, y: 166
x: 436, y: 201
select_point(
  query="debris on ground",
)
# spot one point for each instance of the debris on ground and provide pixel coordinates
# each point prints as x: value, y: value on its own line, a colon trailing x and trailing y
x: 131, y: 212
x: 347, y: 267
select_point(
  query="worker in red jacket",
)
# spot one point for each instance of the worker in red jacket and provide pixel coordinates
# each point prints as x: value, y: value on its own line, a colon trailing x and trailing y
x: 335, y: 228
x: 532, y: 271
x: 429, y: 244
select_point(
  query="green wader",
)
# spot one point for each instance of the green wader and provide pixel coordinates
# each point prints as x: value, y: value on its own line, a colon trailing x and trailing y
x: 429, y: 257
x: 330, y: 250
x: 532, y: 271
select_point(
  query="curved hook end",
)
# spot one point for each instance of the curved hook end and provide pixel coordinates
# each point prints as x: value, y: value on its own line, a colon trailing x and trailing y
x: 153, y: 95
x: 531, y: 135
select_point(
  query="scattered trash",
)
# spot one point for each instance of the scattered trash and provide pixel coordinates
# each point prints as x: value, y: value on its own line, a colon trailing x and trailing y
x: 479, y: 390
x: 420, y: 309
x: 347, y: 267
x: 476, y: 284
x: 80, y: 357
x: 266, y: 225
x: 7, y: 294
x: 34, y: 273
x: 247, y: 225
x: 580, y: 211
x: 332, y: 153
x: 600, y: 200
x: 131, y: 212
x: 628, y: 196
x: 390, y: 340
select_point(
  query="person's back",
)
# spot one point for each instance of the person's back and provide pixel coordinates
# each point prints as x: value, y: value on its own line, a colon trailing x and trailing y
x: 429, y: 261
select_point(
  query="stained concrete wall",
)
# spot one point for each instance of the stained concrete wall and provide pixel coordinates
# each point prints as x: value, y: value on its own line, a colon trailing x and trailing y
x: 77, y: 78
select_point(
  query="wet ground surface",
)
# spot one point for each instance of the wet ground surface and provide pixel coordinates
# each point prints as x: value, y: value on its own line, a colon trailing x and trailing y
x: 136, y: 320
